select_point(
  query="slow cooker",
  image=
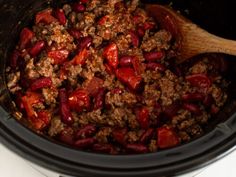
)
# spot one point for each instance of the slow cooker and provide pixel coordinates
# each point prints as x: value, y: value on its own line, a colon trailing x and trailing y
x: 216, y: 16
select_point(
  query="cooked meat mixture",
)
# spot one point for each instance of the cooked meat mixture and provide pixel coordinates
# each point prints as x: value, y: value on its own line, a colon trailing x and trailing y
x: 100, y: 75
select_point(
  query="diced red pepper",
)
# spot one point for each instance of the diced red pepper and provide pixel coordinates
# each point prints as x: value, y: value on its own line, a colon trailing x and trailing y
x: 120, y: 135
x: 142, y: 115
x: 60, y: 15
x: 128, y: 77
x: 45, y: 16
x: 167, y: 138
x: 29, y: 100
x: 111, y: 55
x: 25, y: 37
x: 79, y: 100
x: 80, y: 58
x: 41, y: 83
x: 41, y: 121
x: 94, y: 85
x: 199, y: 80
x: 59, y: 56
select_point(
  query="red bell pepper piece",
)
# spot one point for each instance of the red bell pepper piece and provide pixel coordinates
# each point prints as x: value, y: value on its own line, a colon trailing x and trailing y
x: 166, y: 138
x: 79, y: 100
x: 29, y: 100
x: 25, y: 37
x: 111, y: 55
x: 128, y: 77
x: 45, y: 16
x: 142, y: 115
x: 41, y: 121
x: 59, y: 56
x: 80, y: 58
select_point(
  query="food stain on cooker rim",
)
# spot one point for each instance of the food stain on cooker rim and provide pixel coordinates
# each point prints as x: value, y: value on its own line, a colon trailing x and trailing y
x: 101, y: 76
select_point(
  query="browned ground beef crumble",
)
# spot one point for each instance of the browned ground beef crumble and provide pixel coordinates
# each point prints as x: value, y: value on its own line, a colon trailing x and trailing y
x: 99, y: 75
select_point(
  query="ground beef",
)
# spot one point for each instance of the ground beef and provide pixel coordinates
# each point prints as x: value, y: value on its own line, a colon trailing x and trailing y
x: 108, y: 70
x: 170, y: 88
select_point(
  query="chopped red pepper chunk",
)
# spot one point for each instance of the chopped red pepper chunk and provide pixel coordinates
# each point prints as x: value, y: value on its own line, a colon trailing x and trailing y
x: 167, y: 138
x: 128, y: 77
x: 25, y: 37
x: 45, y: 16
x: 59, y: 56
x: 29, y: 100
x: 79, y: 100
x: 41, y: 121
x: 142, y: 116
x: 80, y: 58
x: 111, y: 55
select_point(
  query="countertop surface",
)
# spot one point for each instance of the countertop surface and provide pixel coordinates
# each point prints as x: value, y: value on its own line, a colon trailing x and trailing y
x: 11, y: 165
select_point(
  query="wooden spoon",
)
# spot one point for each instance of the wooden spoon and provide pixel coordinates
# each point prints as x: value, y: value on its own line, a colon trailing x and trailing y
x: 191, y: 39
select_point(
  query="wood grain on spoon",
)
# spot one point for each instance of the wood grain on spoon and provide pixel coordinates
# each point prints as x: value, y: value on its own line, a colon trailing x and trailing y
x: 191, y: 39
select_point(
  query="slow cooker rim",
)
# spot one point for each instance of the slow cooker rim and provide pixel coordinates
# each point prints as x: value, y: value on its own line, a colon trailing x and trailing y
x: 32, y: 152
x: 133, y: 163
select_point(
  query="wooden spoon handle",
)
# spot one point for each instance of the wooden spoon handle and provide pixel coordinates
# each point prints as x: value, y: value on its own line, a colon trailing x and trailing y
x: 203, y: 42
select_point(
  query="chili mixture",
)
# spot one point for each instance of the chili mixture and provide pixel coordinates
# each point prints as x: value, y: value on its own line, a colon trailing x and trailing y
x: 100, y: 76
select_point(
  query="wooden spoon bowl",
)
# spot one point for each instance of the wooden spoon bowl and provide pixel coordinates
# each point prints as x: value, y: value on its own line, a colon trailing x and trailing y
x: 190, y: 38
